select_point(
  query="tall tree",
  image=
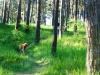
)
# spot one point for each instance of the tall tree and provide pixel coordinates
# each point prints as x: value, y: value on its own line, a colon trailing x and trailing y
x: 67, y: 12
x: 53, y: 12
x: 84, y: 10
x: 8, y: 12
x: 54, y: 44
x: 76, y: 15
x: 31, y: 17
x: 62, y: 17
x: 93, y: 37
x: 44, y: 11
x: 28, y: 14
x: 2, y: 10
x: 5, y: 13
x: 71, y: 4
x: 37, y: 36
x: 18, y: 15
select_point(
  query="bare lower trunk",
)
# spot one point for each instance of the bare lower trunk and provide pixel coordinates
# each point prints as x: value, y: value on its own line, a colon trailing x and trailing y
x: 93, y: 37
x: 76, y: 15
x: 37, y: 36
x: 18, y: 15
x: 28, y: 15
x: 53, y: 12
x: 8, y: 15
x: 62, y: 18
x: 54, y: 44
x: 5, y: 13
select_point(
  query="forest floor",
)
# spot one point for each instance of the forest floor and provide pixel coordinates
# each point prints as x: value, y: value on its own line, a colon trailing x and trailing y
x: 37, y: 60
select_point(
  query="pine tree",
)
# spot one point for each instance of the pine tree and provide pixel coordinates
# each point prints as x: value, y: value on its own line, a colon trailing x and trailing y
x: 37, y: 36
x: 54, y: 44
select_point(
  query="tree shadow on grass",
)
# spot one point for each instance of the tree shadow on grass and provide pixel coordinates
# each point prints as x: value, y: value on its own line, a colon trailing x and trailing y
x: 71, y: 33
x: 68, y: 33
x: 82, y: 32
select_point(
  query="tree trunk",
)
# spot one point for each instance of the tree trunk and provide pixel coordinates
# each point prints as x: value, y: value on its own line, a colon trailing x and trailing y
x: 37, y: 36
x: 76, y: 15
x: 3, y: 10
x: 54, y: 44
x: 62, y: 18
x: 93, y: 36
x: 67, y: 12
x: 18, y: 15
x: 25, y: 11
x: 53, y: 12
x: 5, y: 13
x: 28, y: 14
x: 84, y: 11
x: 72, y: 2
x: 8, y: 15
x: 31, y: 17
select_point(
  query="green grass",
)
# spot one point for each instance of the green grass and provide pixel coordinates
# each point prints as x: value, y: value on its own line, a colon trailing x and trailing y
x: 70, y: 58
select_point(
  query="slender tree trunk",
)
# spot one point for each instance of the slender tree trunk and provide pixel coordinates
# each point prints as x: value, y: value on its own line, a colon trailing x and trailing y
x: 62, y: 18
x: 67, y: 12
x: 8, y: 15
x: 25, y: 11
x: 18, y: 15
x: 28, y: 14
x: 72, y: 8
x: 76, y: 15
x: 76, y: 9
x: 84, y: 13
x: 44, y: 13
x: 93, y: 36
x: 31, y: 17
x: 54, y: 44
x: 37, y: 36
x: 5, y: 13
x: 53, y: 12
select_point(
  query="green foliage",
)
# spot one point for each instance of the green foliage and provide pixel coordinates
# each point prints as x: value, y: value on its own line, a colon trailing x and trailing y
x: 17, y: 35
x: 70, y: 58
x: 79, y: 24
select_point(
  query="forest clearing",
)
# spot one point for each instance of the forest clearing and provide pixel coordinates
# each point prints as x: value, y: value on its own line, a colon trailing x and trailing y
x: 49, y: 37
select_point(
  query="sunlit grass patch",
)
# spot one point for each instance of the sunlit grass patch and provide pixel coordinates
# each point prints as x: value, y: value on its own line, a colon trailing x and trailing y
x: 70, y: 58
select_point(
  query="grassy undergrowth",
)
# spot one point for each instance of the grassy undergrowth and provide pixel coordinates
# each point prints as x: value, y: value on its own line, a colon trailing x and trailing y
x: 70, y: 58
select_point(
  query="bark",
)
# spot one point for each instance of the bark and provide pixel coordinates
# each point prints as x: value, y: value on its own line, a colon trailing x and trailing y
x: 93, y: 36
x: 67, y: 11
x: 18, y: 15
x: 37, y: 36
x: 76, y: 9
x: 76, y: 15
x: 25, y: 10
x: 84, y: 11
x: 8, y: 15
x: 31, y: 17
x: 53, y: 12
x: 72, y: 7
x: 44, y: 12
x: 5, y: 13
x: 28, y: 14
x: 62, y: 18
x: 54, y: 44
